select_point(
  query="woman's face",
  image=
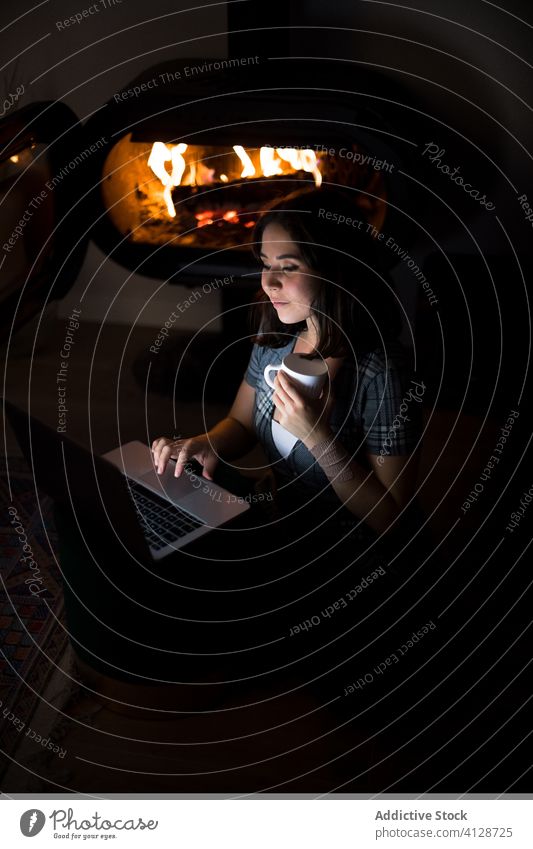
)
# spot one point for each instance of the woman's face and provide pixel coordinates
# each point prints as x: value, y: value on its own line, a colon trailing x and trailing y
x: 287, y: 280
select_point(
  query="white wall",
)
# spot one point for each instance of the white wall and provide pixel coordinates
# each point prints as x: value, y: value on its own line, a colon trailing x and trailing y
x: 107, y: 291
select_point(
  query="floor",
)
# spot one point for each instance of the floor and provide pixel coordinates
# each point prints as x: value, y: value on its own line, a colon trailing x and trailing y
x: 261, y: 743
x: 281, y: 737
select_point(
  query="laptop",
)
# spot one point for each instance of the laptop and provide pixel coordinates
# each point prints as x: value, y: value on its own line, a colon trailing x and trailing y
x: 149, y: 514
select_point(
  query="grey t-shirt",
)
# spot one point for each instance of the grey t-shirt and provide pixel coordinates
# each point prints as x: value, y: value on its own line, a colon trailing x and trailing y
x: 368, y: 397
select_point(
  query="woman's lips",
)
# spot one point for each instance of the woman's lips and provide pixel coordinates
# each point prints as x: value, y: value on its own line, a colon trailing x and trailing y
x: 279, y: 303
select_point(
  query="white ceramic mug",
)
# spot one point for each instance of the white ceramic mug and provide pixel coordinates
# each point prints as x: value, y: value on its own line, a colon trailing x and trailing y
x: 310, y: 374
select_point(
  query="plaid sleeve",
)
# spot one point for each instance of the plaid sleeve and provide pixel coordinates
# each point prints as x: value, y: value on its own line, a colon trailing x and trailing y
x: 254, y: 373
x: 392, y: 413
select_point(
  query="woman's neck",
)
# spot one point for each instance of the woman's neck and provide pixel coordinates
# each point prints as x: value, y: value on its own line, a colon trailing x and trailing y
x: 305, y: 343
x: 310, y: 334
x: 311, y: 331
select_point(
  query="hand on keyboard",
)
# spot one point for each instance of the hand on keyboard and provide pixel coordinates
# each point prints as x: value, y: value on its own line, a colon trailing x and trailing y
x: 183, y: 451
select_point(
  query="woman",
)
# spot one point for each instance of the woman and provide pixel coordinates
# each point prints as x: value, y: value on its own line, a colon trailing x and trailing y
x: 345, y: 484
x: 322, y: 294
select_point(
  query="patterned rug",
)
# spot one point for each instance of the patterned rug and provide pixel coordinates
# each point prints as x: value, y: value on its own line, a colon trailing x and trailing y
x: 32, y: 640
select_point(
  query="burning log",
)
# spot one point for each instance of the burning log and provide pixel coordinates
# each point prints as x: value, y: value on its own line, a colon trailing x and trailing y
x: 255, y: 191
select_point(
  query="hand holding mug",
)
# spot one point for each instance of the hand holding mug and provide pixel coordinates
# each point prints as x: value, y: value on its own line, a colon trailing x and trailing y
x: 309, y: 375
x: 302, y: 405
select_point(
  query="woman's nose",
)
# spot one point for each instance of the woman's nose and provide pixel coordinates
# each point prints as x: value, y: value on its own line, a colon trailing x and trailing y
x: 270, y: 278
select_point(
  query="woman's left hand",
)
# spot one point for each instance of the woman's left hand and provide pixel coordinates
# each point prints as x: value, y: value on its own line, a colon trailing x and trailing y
x: 306, y: 418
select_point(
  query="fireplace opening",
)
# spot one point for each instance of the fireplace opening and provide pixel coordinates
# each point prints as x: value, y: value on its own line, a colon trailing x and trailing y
x: 209, y: 196
x: 190, y: 162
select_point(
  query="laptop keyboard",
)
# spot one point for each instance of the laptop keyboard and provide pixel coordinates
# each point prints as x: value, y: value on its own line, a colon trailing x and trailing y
x: 161, y: 521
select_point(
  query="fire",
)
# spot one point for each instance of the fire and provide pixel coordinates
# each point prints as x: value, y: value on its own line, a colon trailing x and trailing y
x: 308, y: 162
x: 160, y: 154
x: 211, y: 216
x: 269, y: 164
x: 193, y: 195
x: 190, y: 171
x: 204, y: 218
x: 248, y: 169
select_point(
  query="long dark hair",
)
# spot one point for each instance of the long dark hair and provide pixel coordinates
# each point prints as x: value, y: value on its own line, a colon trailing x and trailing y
x: 355, y: 309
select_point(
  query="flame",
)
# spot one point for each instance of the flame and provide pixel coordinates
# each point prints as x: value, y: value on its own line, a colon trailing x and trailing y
x: 269, y: 165
x: 248, y: 169
x: 309, y: 163
x: 160, y: 154
x: 272, y: 161
x: 301, y: 160
x: 290, y: 155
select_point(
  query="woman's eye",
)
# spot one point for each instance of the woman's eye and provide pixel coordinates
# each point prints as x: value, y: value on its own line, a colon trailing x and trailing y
x: 287, y: 269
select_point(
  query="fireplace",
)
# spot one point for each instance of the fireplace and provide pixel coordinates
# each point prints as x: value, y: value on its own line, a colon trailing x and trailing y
x: 208, y: 197
x: 184, y: 172
x: 169, y: 177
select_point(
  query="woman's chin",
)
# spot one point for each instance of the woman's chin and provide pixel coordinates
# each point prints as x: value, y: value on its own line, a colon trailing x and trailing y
x: 286, y: 317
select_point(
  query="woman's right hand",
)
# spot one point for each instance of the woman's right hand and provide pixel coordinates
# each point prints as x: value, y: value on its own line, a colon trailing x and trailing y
x: 198, y: 448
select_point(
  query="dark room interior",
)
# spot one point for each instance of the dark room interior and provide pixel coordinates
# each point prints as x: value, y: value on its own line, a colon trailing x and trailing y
x: 139, y: 147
